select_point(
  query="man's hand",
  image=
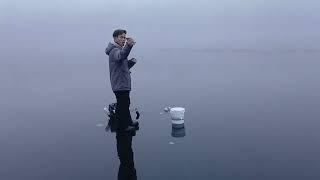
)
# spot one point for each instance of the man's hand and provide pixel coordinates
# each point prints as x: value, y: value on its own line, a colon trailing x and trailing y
x: 130, y: 41
x: 133, y: 60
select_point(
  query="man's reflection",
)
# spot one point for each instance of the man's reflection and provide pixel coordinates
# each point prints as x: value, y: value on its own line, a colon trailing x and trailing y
x: 125, y: 154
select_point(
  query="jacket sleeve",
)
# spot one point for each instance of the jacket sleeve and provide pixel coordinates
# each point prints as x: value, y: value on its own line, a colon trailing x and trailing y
x: 122, y: 54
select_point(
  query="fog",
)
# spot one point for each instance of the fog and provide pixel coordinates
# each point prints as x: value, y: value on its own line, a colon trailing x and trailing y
x: 246, y: 72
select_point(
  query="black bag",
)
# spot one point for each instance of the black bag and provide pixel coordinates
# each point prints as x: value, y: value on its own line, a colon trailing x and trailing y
x: 113, y: 123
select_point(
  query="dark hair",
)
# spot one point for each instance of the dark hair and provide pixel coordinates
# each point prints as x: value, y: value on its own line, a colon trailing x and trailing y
x: 118, y: 32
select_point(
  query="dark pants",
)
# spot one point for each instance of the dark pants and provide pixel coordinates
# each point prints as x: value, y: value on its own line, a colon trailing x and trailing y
x: 122, y: 110
x: 125, y: 154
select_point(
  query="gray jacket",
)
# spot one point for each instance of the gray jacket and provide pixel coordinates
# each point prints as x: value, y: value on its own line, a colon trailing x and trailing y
x: 119, y: 66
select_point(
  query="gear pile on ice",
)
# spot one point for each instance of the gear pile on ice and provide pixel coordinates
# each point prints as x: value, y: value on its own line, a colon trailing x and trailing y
x: 112, y: 120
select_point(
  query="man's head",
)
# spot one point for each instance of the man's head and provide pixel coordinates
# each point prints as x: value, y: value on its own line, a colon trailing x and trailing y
x: 119, y: 36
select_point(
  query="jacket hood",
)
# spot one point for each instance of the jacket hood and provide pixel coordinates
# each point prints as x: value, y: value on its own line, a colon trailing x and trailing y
x: 111, y: 46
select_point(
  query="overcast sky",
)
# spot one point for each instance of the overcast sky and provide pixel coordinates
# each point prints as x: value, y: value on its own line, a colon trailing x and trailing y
x: 168, y: 23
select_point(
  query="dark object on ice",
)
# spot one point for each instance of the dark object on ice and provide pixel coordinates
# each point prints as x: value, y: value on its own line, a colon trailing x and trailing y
x: 138, y: 114
x: 113, y: 122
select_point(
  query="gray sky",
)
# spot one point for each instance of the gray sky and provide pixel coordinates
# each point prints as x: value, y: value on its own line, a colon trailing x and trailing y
x: 222, y: 24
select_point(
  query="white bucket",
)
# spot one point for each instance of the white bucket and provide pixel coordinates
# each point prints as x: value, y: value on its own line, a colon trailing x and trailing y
x: 177, y: 113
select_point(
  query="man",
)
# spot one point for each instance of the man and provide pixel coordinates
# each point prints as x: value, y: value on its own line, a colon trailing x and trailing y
x: 120, y: 77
